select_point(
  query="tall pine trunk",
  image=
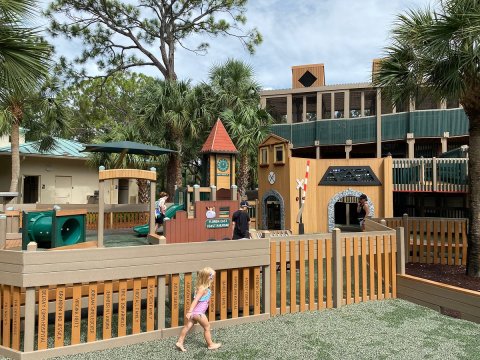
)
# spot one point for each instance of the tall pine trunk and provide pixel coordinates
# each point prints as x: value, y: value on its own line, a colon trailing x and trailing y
x: 15, y: 144
x: 243, y: 174
x: 143, y: 191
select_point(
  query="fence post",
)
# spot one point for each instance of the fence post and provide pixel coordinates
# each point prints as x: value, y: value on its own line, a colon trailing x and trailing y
x: 213, y: 193
x: 161, y: 302
x: 337, y: 268
x: 383, y: 222
x: 196, y: 193
x: 266, y: 286
x: 151, y: 220
x: 234, y: 192
x: 29, y: 335
x: 434, y: 173
x: 400, y: 251
x: 101, y: 209
x: 406, y: 236
x: 3, y: 231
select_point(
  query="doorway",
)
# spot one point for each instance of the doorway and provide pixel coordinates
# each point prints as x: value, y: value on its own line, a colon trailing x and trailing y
x: 346, y: 214
x: 31, y: 189
x: 273, y: 213
x: 123, y: 191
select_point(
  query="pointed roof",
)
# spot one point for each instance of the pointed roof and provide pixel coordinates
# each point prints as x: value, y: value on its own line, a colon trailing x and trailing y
x: 218, y: 141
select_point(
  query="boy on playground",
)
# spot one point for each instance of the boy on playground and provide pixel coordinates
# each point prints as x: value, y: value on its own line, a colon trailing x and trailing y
x: 199, y: 306
x: 160, y: 210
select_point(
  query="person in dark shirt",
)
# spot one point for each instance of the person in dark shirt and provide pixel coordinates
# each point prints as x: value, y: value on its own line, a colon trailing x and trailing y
x: 363, y: 210
x: 241, y: 221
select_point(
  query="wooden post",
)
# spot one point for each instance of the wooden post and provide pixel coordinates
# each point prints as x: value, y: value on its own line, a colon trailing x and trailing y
x: 3, y: 231
x: 406, y: 236
x: 196, y: 193
x: 266, y: 286
x: 29, y: 334
x: 337, y: 268
x: 161, y: 302
x: 400, y: 251
x: 101, y: 209
x: 151, y: 219
x: 213, y: 193
x: 383, y: 222
x: 32, y: 246
x: 234, y: 192
x: 434, y: 174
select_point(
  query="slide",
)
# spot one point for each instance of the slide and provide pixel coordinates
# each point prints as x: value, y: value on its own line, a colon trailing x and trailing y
x: 169, y: 213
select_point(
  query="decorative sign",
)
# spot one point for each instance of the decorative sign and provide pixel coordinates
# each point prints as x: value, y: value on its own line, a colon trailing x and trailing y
x: 224, y: 212
x: 271, y: 177
x: 217, y: 223
x: 350, y: 175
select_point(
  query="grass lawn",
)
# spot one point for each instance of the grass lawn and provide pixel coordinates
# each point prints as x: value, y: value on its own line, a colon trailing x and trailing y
x: 389, y: 329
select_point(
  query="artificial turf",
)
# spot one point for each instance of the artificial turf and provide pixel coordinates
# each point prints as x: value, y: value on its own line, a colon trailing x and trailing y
x: 388, y: 329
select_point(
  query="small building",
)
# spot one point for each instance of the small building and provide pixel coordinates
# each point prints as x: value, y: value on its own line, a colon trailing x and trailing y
x: 60, y: 175
x: 331, y: 194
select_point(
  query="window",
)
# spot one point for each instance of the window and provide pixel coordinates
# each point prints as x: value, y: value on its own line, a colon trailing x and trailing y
x: 279, y: 154
x: 264, y: 156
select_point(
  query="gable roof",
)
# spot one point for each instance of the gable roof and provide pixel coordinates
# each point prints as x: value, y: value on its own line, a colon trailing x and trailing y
x: 274, y: 139
x: 62, y: 148
x: 219, y: 141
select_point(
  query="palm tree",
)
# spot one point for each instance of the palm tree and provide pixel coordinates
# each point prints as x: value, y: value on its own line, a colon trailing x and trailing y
x: 170, y: 114
x: 24, y: 64
x: 438, y: 52
x: 236, y: 96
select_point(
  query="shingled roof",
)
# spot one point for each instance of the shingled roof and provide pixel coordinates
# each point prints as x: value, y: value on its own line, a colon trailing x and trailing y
x: 218, y: 141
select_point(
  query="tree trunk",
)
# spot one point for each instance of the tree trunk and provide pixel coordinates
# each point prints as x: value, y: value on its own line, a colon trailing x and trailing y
x: 243, y: 174
x: 472, y: 109
x: 15, y: 141
x: 174, y: 174
x: 143, y: 191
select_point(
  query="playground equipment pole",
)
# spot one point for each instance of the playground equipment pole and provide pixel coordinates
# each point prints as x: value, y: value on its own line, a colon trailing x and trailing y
x: 101, y: 209
x: 152, y: 204
x: 301, y: 199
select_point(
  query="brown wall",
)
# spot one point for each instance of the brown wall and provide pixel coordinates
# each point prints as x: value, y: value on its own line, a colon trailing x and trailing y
x: 317, y: 70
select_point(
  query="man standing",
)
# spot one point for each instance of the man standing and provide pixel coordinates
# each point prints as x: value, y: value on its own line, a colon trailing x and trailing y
x: 363, y: 210
x: 241, y: 221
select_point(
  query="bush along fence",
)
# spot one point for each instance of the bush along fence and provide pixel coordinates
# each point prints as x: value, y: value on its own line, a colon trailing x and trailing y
x: 71, y: 301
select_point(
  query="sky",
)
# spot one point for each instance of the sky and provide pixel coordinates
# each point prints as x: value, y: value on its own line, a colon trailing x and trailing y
x: 344, y: 35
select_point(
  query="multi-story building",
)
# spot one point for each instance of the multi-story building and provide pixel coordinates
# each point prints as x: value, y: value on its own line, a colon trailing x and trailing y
x: 355, y: 121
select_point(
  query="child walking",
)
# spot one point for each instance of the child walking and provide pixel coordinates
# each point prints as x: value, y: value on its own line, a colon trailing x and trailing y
x: 197, y: 310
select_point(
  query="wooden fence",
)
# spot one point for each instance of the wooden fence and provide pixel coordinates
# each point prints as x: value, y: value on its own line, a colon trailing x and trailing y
x: 118, y: 220
x: 433, y: 240
x: 99, y: 298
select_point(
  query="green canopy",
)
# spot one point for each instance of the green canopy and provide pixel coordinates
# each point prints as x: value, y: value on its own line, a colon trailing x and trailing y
x: 127, y: 147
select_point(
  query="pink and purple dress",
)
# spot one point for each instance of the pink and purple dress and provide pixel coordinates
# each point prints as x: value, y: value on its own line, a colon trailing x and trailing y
x: 202, y: 304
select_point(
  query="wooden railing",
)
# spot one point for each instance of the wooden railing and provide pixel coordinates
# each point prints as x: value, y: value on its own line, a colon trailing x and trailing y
x: 118, y: 220
x: 433, y: 240
x: 432, y: 174
x: 108, y: 297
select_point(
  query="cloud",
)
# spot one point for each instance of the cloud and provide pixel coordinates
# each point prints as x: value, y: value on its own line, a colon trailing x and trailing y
x: 345, y: 35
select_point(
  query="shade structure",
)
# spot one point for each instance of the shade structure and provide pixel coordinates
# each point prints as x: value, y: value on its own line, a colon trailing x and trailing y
x: 127, y: 147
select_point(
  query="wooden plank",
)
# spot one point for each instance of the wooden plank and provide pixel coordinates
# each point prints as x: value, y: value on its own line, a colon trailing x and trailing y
x: 235, y: 286
x: 348, y: 271
x: 151, y: 289
x: 59, y: 316
x: 371, y: 267
x: 415, y: 239
x: 457, y: 260
x: 328, y: 255
x: 293, y: 277
x: 122, y: 308
x: 257, y: 291
x: 443, y: 260
x: 137, y: 306
x: 175, y: 299
x: 320, y: 274
x: 246, y: 292
x: 302, y: 279
x: 436, y: 227
x: 393, y: 252
x: 92, y: 313
x: 273, y: 279
x: 379, y: 268
x: 16, y: 325
x: 356, y: 270
x: 107, y: 309
x: 42, y: 318
x: 6, y: 311
x: 450, y: 245
x: 386, y: 252
x: 76, y: 313
x: 311, y: 275
x: 223, y: 294
x: 364, y: 268
x: 429, y: 245
x: 188, y: 294
x: 464, y: 243
x: 213, y: 302
x: 283, y: 277
x: 422, y: 226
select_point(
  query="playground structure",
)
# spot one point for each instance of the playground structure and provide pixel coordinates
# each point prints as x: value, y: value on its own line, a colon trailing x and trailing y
x: 333, y: 189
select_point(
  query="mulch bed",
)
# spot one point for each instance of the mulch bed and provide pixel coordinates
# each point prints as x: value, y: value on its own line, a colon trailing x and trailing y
x: 446, y: 274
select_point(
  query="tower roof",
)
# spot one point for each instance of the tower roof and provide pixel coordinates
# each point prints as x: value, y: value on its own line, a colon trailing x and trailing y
x: 219, y: 141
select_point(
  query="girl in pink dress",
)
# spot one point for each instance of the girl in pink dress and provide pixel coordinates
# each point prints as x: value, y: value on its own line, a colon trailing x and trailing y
x: 197, y: 310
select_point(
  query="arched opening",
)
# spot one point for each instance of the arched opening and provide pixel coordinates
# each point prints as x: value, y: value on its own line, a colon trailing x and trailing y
x: 273, y: 211
x: 344, y: 214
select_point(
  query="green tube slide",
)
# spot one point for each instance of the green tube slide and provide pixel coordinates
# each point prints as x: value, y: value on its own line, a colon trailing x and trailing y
x: 169, y: 213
